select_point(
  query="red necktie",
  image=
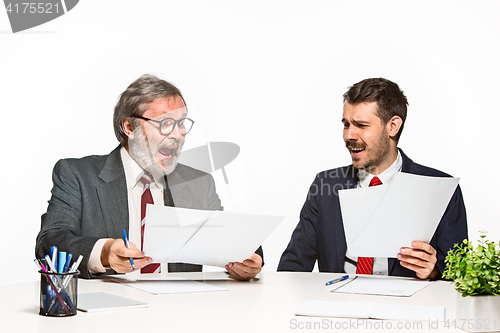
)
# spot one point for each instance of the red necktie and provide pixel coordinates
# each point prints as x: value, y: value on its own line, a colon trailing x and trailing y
x: 146, y: 198
x: 365, y: 264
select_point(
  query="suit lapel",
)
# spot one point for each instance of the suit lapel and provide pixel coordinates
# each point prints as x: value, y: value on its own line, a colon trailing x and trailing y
x: 112, y: 194
x: 181, y: 191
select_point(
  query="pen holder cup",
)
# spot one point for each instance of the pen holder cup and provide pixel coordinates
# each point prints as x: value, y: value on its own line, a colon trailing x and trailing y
x: 58, y: 294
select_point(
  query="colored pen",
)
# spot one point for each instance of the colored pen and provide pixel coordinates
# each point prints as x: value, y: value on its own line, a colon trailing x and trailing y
x: 37, y: 263
x: 75, y: 265
x: 66, y: 280
x: 345, y: 277
x: 51, y: 264
x: 53, y: 256
x: 57, y: 280
x: 125, y: 239
x: 55, y: 290
x: 62, y: 262
x: 68, y: 260
x: 73, y: 269
x: 78, y: 261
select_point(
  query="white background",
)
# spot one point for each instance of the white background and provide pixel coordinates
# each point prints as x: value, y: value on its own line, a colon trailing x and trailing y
x: 267, y: 75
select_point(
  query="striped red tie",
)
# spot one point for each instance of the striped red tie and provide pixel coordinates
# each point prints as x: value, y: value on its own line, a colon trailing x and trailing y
x: 147, y: 198
x: 365, y: 264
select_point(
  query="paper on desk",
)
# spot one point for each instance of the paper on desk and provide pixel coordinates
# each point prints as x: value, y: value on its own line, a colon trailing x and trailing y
x: 374, y: 310
x: 132, y: 277
x: 379, y: 220
x: 204, y: 237
x: 175, y: 285
x: 383, y: 286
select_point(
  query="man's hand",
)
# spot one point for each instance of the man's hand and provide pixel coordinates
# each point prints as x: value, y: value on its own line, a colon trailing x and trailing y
x: 421, y: 258
x: 116, y: 255
x: 246, y: 270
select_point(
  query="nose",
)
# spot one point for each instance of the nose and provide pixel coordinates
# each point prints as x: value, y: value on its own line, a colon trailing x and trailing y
x: 176, y: 133
x: 350, y: 134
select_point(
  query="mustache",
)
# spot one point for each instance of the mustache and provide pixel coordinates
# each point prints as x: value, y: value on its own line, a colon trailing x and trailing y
x: 354, y: 145
x: 170, y: 145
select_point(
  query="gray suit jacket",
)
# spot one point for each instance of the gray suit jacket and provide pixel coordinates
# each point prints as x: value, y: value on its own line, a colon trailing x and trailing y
x: 89, y: 202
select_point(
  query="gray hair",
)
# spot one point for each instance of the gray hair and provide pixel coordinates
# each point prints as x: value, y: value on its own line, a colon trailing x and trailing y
x: 133, y: 100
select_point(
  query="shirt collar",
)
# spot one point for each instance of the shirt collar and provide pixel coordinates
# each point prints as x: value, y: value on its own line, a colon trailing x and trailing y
x: 133, y: 172
x: 385, y: 177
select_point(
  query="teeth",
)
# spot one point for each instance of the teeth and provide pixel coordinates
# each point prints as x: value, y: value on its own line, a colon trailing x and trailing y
x: 357, y: 149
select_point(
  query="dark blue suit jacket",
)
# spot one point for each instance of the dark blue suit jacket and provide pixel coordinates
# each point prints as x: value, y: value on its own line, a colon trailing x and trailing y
x: 320, y: 236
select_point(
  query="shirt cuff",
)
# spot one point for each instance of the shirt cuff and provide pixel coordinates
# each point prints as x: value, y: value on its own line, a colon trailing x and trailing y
x: 95, y: 265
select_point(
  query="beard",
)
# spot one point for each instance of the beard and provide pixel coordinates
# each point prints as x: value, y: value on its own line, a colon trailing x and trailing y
x: 376, y: 153
x: 144, y: 152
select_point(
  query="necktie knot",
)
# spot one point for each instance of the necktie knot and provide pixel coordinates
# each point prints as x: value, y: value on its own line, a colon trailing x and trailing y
x: 375, y: 181
x: 145, y: 179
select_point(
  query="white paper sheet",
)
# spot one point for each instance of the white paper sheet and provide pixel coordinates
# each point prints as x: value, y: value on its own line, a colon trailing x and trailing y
x: 379, y: 220
x: 383, y: 286
x: 172, y: 286
x: 204, y: 237
x: 374, y: 310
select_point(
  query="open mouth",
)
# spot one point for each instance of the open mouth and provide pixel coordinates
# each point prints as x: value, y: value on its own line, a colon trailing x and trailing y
x: 356, y: 150
x: 167, y: 153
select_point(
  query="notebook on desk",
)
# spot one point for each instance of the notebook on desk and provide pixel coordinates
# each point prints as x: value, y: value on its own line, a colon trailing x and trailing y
x: 103, y: 301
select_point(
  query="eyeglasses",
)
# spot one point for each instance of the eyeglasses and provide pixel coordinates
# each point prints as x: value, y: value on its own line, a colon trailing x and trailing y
x: 167, y: 125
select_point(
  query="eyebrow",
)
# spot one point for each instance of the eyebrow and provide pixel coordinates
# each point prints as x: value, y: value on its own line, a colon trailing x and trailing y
x: 164, y: 115
x: 356, y: 122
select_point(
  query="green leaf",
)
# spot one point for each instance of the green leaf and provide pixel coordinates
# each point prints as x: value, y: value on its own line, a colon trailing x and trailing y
x: 474, y: 271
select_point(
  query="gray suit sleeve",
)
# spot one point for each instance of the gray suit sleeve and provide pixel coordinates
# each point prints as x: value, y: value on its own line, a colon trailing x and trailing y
x: 61, y: 224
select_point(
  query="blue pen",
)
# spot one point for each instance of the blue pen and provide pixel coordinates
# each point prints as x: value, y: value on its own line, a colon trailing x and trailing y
x: 345, y: 277
x: 68, y: 260
x: 125, y: 239
x: 53, y: 257
x: 62, y: 262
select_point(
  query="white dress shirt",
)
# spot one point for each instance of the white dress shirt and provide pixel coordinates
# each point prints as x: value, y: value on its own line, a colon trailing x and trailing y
x: 133, y: 174
x: 380, y: 265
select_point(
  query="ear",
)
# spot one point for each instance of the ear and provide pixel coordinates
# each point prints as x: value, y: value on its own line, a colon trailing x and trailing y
x: 394, y: 125
x: 128, y: 128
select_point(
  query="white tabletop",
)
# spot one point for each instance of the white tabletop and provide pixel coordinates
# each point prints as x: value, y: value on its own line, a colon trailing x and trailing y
x: 266, y: 304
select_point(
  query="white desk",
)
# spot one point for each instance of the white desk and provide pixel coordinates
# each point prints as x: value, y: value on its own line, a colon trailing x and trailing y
x: 266, y: 304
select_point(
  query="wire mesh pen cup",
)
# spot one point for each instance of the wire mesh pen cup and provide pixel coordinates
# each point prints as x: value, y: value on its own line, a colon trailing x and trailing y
x: 58, y: 294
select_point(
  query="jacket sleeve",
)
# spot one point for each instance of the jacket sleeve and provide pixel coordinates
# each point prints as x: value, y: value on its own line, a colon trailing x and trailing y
x: 452, y: 228
x: 300, y: 254
x: 61, y: 224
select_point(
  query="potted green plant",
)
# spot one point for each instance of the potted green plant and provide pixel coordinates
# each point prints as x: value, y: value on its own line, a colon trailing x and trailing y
x: 476, y: 276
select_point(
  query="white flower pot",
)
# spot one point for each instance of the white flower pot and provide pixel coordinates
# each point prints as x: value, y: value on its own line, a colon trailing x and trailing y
x: 478, y: 313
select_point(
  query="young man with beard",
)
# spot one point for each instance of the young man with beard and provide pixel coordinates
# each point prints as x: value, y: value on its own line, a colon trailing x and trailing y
x: 373, y: 117
x: 95, y: 197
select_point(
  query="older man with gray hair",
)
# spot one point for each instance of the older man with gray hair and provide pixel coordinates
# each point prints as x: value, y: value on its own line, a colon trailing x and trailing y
x: 95, y: 197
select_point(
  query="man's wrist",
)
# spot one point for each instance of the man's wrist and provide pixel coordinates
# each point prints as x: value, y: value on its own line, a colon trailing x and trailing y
x: 435, y: 274
x: 105, y: 254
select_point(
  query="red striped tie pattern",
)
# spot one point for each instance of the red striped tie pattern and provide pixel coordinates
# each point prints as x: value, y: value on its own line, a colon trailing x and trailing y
x: 147, y: 198
x: 365, y: 264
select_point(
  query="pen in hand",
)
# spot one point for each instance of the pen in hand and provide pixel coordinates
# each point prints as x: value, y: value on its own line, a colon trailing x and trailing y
x: 125, y: 239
